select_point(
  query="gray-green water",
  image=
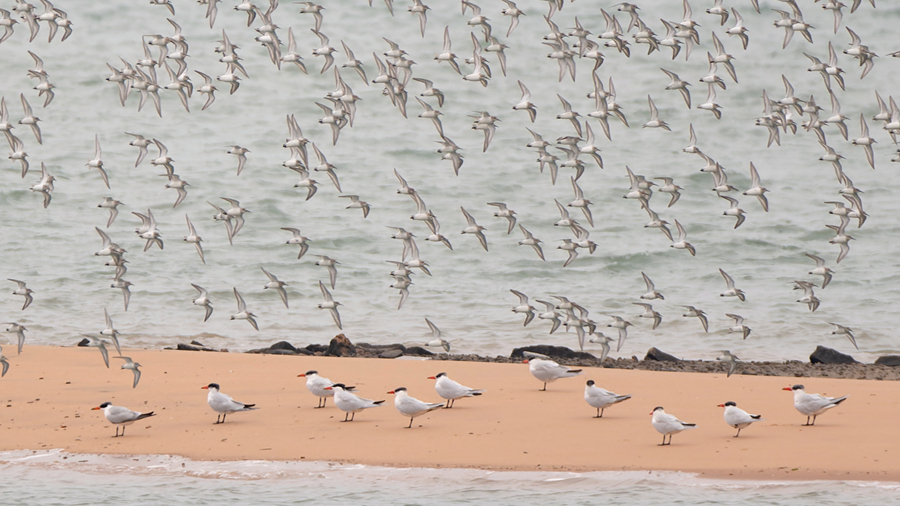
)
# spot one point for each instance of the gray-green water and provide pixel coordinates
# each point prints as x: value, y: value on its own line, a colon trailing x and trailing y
x: 468, y: 297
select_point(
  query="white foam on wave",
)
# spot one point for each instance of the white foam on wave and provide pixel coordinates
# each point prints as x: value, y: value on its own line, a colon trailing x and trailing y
x: 444, y: 478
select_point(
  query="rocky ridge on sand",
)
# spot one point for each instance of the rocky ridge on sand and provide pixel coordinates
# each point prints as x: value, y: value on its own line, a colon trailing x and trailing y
x: 824, y: 362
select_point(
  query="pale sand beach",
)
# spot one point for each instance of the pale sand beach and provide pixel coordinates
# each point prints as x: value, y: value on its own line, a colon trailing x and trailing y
x: 49, y: 393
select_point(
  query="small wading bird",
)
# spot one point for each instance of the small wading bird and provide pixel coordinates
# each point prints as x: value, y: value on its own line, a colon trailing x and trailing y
x: 4, y: 362
x: 19, y: 330
x: 842, y: 330
x: 23, y: 290
x: 130, y: 364
x: 729, y: 359
x: 436, y: 340
x: 242, y: 313
x: 203, y: 300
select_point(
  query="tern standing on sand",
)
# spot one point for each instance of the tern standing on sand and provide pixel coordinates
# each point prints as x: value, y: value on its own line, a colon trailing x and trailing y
x: 349, y: 402
x: 549, y: 371
x: 737, y: 417
x: 601, y: 398
x: 119, y: 415
x: 410, y: 406
x: 667, y: 424
x: 451, y: 390
x: 812, y: 405
x: 224, y: 404
x: 317, y: 385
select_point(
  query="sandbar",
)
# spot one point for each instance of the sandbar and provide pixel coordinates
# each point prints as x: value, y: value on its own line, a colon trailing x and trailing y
x: 49, y: 392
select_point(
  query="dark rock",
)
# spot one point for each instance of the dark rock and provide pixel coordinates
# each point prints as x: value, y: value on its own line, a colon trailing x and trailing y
x: 194, y: 346
x: 283, y: 345
x: 660, y: 356
x: 824, y: 355
x: 281, y: 348
x: 316, y: 348
x: 417, y: 350
x: 380, y: 347
x: 391, y: 353
x: 379, y: 350
x: 83, y: 342
x: 198, y: 343
x: 889, y: 360
x: 340, y: 346
x: 550, y: 351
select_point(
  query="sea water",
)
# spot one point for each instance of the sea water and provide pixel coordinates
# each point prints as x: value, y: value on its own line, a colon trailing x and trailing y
x: 468, y: 295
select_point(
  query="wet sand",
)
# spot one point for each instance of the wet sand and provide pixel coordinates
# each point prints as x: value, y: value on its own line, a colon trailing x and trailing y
x: 49, y: 392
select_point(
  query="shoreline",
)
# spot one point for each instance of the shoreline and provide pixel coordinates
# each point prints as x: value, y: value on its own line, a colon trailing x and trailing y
x: 50, y: 392
x: 140, y: 464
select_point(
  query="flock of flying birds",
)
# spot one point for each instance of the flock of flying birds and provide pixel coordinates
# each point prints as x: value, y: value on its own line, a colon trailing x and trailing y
x: 570, y: 49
